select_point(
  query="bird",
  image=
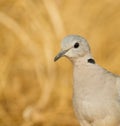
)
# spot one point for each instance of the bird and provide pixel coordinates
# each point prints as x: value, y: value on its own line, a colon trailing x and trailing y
x: 96, y: 91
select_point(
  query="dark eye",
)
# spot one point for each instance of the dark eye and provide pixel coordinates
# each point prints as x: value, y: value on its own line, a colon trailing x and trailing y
x: 76, y: 45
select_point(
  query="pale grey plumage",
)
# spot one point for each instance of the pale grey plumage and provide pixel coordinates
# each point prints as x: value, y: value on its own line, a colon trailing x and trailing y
x: 96, y: 92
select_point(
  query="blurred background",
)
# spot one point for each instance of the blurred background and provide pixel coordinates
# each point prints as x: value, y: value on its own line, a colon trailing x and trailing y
x: 35, y: 91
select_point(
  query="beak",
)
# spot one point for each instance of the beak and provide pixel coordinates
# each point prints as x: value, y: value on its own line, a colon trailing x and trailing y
x: 60, y: 54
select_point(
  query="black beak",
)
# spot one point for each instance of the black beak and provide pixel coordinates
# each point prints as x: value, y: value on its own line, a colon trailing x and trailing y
x: 60, y: 54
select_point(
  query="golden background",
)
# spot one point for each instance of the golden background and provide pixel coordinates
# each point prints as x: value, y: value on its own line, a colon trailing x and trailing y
x: 35, y: 91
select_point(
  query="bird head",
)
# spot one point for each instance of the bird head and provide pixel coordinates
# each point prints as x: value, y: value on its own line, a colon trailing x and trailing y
x: 73, y: 47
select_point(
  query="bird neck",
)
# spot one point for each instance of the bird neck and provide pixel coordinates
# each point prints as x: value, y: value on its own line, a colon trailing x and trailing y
x: 88, y: 58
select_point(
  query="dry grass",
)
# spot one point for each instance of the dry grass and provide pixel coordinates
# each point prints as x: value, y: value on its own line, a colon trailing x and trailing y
x: 35, y: 91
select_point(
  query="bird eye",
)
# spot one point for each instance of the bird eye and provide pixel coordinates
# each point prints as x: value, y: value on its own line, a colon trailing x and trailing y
x: 76, y: 45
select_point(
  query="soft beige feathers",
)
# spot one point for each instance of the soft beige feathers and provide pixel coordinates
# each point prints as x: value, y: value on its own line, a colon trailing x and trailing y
x: 96, y: 91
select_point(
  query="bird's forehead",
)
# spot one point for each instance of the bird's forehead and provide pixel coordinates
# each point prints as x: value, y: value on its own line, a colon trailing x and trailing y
x: 68, y: 41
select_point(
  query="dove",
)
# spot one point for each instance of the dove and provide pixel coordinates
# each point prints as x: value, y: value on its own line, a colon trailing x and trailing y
x: 96, y: 91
